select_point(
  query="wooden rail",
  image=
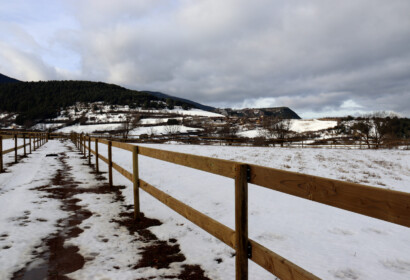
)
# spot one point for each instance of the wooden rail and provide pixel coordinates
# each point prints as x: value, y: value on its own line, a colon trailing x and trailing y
x: 297, y: 142
x: 36, y: 139
x: 384, y: 204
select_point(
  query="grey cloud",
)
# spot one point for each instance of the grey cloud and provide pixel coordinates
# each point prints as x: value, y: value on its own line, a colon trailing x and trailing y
x: 310, y: 56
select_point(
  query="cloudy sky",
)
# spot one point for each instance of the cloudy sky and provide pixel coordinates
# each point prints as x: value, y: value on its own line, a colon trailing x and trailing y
x: 320, y: 58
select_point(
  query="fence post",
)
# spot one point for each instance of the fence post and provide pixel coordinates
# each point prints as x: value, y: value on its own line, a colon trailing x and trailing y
x: 96, y: 156
x: 81, y: 143
x: 110, y: 163
x: 1, y: 153
x: 241, y: 221
x: 15, y: 148
x: 135, y: 180
x: 89, y: 150
x: 24, y: 143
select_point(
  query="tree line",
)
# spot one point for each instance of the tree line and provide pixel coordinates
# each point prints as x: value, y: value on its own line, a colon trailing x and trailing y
x: 36, y: 101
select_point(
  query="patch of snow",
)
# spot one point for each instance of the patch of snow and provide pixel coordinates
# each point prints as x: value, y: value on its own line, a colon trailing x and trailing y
x: 250, y: 133
x: 311, y: 125
x: 329, y: 242
x: 156, y: 121
x: 89, y: 128
x: 26, y: 216
x: 163, y: 129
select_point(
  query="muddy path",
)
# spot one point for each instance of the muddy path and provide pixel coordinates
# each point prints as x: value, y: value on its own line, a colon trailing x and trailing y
x: 56, y: 259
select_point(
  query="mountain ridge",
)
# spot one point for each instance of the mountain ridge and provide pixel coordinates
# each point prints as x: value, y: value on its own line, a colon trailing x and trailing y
x: 6, y: 79
x: 44, y: 99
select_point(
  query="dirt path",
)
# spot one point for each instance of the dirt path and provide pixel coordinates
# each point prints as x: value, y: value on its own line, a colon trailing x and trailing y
x: 60, y: 258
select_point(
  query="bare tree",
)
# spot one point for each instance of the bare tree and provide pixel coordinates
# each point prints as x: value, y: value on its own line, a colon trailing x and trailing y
x: 151, y: 131
x: 381, y: 129
x: 372, y: 129
x: 229, y: 130
x: 276, y: 127
x: 172, y: 129
x: 130, y: 122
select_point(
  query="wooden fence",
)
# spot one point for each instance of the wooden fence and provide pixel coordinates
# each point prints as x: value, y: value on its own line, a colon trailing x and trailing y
x: 31, y: 139
x: 295, y: 142
x: 383, y: 204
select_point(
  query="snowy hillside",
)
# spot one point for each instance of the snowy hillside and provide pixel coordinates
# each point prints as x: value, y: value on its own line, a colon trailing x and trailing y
x: 98, y: 117
x: 311, y: 125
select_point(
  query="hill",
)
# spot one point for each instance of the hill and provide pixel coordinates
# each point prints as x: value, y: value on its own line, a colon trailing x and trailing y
x: 283, y: 112
x: 40, y: 100
x: 5, y: 80
x: 194, y: 104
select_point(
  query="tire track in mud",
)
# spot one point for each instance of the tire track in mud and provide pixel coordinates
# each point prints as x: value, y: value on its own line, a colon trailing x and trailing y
x: 56, y: 259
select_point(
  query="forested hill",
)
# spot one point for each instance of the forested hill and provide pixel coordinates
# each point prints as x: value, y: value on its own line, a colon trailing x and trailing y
x: 40, y: 100
x: 4, y: 79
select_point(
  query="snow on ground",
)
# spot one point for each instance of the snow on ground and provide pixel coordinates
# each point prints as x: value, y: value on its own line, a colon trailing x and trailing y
x: 329, y: 242
x: 89, y: 128
x: 311, y: 125
x: 110, y: 250
x: 298, y: 126
x: 46, y: 126
x: 191, y: 112
x: 28, y: 216
x: 156, y: 121
x: 196, y: 112
x: 251, y: 133
x: 9, y: 143
x: 163, y: 129
x: 25, y: 215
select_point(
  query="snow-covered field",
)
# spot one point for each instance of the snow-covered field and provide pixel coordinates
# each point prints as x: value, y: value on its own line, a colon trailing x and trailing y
x: 331, y: 243
x: 89, y: 128
x: 9, y: 143
x: 298, y: 126
x: 311, y: 125
x: 163, y: 129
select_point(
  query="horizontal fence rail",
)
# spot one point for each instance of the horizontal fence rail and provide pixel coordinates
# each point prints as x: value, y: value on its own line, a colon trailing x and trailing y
x: 35, y: 140
x: 383, y: 204
x: 293, y: 142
